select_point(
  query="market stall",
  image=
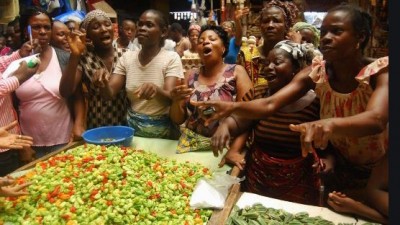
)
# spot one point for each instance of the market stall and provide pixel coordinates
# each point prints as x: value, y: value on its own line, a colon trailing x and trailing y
x: 167, y: 148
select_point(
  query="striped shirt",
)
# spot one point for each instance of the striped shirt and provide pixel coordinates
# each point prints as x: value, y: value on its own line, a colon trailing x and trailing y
x: 273, y: 134
x: 7, y: 86
x: 164, y: 64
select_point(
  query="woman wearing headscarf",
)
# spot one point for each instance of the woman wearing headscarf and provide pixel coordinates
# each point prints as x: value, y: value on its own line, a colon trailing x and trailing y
x: 275, y: 21
x: 309, y: 33
x: 274, y: 165
x: 191, y: 58
x: 85, y: 66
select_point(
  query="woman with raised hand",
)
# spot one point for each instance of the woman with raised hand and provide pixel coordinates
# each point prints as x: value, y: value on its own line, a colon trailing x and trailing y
x: 84, y: 66
x: 148, y: 76
x: 214, y: 80
x: 43, y: 113
x: 353, y: 93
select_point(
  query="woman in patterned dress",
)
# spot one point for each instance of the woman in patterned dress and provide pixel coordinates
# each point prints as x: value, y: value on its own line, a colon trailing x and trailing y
x: 85, y: 64
x: 215, y: 80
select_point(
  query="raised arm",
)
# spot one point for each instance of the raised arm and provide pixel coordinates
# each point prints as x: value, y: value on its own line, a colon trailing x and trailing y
x: 239, y: 13
x: 372, y: 121
x: 72, y: 75
x: 264, y: 107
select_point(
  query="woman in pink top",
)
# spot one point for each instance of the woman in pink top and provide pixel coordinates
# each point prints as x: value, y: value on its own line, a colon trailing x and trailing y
x: 43, y: 113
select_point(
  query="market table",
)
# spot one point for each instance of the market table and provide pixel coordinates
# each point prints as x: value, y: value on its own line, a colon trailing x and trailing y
x: 167, y: 148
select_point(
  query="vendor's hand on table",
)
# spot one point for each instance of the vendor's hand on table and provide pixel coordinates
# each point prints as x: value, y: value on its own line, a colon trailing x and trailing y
x: 77, y: 42
x: 77, y: 131
x: 26, y: 155
x: 234, y: 158
x: 313, y: 134
x: 146, y: 91
x: 101, y: 77
x: 181, y: 93
x: 8, y: 190
x: 220, y: 139
x: 341, y: 203
x: 13, y: 141
x: 221, y: 109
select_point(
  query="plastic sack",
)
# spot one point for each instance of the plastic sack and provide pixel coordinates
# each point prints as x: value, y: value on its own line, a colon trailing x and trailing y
x: 71, y: 15
x: 212, y: 193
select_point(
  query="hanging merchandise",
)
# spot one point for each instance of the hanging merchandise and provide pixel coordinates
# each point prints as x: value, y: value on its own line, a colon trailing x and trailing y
x: 53, y: 4
x: 8, y: 11
x: 71, y: 15
x: 223, y: 10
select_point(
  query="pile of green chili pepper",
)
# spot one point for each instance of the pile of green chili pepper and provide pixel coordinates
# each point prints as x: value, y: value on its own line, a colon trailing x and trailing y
x: 261, y: 215
x: 107, y: 185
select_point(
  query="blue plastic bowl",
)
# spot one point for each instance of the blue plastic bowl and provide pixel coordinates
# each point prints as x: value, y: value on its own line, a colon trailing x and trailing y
x: 109, y: 135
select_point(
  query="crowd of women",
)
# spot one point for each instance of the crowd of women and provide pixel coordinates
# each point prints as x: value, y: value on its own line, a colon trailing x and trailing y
x: 309, y: 125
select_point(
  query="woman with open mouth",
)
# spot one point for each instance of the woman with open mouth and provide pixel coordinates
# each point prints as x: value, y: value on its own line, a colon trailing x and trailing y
x: 148, y: 76
x: 85, y: 65
x: 214, y: 80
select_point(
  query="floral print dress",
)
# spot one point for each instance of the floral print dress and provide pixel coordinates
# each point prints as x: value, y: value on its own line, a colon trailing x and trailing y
x: 196, y: 136
x: 356, y: 155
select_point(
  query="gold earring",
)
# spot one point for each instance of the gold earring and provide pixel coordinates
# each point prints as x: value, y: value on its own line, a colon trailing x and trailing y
x: 358, y: 45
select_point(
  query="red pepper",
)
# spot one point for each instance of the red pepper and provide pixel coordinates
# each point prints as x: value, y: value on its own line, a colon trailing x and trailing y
x: 100, y: 157
x: 109, y: 202
x: 66, y: 216
x: 73, y: 209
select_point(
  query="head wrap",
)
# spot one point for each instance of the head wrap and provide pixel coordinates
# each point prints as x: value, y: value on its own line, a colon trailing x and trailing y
x: 92, y: 15
x: 252, y: 40
x: 289, y: 9
x: 194, y: 27
x: 302, y: 53
x: 303, y: 25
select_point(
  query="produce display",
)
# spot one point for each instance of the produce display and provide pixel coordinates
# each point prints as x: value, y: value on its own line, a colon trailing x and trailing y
x: 261, y: 215
x: 94, y: 184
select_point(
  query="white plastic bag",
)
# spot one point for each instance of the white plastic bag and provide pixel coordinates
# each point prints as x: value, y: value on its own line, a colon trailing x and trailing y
x: 212, y: 193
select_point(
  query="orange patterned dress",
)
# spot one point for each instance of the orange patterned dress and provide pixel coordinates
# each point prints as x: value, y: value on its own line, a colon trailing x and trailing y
x: 355, y: 154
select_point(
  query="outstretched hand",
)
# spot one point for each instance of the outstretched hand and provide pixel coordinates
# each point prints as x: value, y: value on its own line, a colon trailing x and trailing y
x: 8, y: 190
x: 313, y: 134
x: 181, y: 92
x: 13, y: 141
x: 234, y: 158
x: 221, y: 109
x: 220, y: 139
